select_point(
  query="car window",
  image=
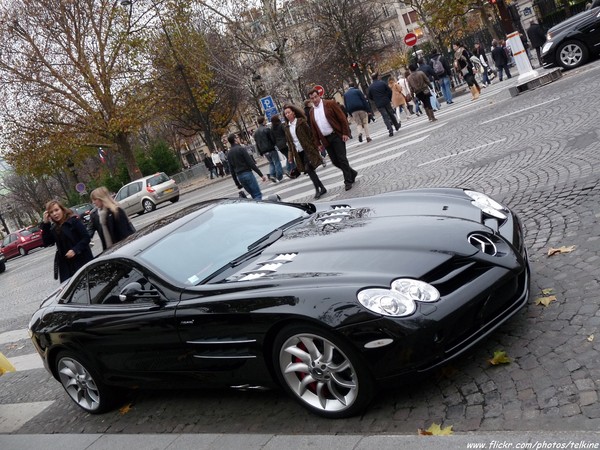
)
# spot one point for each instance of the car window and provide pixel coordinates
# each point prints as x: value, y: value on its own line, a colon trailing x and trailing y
x: 210, y: 241
x: 134, y: 188
x: 6, y: 240
x: 26, y: 233
x: 102, y: 284
x: 157, y: 179
x: 122, y: 193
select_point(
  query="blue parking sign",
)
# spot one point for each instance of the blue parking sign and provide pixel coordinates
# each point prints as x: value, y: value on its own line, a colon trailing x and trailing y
x: 267, y: 103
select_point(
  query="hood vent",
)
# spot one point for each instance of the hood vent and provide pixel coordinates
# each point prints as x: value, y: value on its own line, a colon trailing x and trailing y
x: 335, y: 215
x: 268, y: 267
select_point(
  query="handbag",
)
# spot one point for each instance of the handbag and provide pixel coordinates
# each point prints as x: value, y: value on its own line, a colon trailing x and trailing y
x: 426, y: 91
x: 408, y: 97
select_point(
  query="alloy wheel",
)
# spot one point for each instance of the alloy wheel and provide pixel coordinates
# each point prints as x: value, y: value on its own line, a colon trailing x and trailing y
x: 79, y: 383
x: 319, y: 373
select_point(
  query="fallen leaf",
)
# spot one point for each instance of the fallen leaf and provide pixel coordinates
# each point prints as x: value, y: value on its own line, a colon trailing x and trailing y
x: 590, y: 338
x: 436, y: 430
x: 563, y: 249
x: 125, y: 409
x: 499, y: 358
x: 547, y: 291
x: 545, y: 300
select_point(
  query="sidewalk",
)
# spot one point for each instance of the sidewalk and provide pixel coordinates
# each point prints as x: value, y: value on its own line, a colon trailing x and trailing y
x: 504, y: 440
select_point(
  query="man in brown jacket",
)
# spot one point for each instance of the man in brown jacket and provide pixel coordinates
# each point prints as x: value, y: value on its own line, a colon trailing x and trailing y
x: 331, y: 130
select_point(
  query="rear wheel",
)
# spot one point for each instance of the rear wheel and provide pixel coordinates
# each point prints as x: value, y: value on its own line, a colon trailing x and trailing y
x: 322, y: 372
x: 83, y: 385
x: 572, y: 54
x: 2, y: 267
x: 22, y: 251
x: 148, y: 205
x: 175, y: 199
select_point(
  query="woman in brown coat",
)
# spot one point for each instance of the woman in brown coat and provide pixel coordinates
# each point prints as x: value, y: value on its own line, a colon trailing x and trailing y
x: 398, y: 98
x: 301, y: 146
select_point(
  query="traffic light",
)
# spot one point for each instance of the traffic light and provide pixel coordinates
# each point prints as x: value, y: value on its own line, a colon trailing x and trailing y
x: 354, y: 66
x: 493, y: 2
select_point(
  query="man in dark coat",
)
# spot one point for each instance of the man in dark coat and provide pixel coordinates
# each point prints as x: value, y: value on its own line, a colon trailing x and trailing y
x: 381, y: 94
x: 537, y: 37
x: 500, y: 59
x: 358, y: 107
x: 242, y: 168
x: 266, y: 145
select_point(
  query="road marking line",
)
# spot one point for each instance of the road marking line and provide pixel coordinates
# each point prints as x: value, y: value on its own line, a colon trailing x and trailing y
x: 14, y: 416
x: 460, y: 153
x: 13, y: 336
x: 553, y: 100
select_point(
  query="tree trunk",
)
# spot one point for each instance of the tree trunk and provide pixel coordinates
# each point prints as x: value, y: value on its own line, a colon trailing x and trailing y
x: 122, y: 142
x: 488, y: 25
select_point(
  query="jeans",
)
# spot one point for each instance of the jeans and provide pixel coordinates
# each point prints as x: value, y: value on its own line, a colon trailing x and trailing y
x: 389, y: 117
x: 500, y: 68
x: 446, y: 90
x: 275, y: 169
x: 248, y: 180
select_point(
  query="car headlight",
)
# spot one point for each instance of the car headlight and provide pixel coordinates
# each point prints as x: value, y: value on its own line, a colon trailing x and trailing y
x: 488, y: 205
x: 400, y: 300
x: 547, y: 46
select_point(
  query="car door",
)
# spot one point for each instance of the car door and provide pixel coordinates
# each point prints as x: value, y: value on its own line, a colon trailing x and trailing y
x: 123, y: 337
x: 9, y: 246
x: 224, y: 335
x: 590, y: 32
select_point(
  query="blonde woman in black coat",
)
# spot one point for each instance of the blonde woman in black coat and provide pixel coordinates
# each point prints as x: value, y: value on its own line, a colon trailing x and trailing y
x: 301, y: 146
x: 108, y: 219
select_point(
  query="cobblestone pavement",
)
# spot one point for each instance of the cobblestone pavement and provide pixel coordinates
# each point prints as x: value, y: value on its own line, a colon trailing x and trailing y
x: 538, y: 153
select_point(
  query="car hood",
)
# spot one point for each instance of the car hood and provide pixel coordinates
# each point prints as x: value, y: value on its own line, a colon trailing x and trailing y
x: 572, y: 22
x: 397, y: 235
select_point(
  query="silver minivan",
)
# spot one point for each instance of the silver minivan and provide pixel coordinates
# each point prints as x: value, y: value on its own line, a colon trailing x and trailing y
x: 143, y: 195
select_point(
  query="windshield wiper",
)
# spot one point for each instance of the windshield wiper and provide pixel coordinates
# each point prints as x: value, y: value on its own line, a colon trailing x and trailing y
x: 257, y: 247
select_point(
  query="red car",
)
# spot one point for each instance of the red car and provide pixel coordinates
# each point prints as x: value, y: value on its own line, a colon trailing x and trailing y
x: 21, y: 242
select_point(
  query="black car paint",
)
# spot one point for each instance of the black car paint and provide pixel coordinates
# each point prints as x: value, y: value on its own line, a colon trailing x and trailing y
x: 221, y: 332
x: 583, y: 28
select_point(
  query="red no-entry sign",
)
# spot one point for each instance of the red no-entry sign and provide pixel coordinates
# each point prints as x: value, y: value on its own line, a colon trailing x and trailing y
x: 410, y: 39
x: 320, y: 90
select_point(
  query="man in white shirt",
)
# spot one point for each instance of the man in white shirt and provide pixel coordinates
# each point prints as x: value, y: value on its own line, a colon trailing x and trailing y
x: 331, y: 130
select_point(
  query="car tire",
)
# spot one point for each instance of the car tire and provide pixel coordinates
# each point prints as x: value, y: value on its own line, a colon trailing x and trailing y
x: 83, y: 385
x: 571, y: 54
x: 322, y: 372
x: 148, y: 205
x: 175, y: 199
x: 2, y: 267
x: 22, y: 251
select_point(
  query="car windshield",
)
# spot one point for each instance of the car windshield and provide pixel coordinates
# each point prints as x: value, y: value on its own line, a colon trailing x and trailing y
x: 217, y: 238
x: 25, y: 233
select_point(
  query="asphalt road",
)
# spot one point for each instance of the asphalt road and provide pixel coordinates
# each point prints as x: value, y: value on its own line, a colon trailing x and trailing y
x: 540, y: 154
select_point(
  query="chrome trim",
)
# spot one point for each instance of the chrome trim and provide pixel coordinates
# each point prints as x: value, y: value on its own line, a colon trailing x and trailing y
x: 242, y: 341
x: 483, y: 243
x: 225, y: 357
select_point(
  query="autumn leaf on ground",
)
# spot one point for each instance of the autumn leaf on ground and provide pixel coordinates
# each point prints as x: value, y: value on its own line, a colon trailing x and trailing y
x: 545, y: 300
x: 563, y: 249
x: 436, y: 430
x: 499, y: 358
x: 125, y: 409
x: 547, y: 291
x: 590, y: 338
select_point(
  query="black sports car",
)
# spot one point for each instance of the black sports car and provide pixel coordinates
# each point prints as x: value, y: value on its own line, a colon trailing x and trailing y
x: 327, y: 300
x: 571, y: 43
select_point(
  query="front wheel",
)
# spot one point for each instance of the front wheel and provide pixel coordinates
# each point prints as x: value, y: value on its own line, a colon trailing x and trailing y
x: 83, y: 385
x: 22, y: 251
x: 148, y: 205
x: 322, y: 372
x: 572, y: 54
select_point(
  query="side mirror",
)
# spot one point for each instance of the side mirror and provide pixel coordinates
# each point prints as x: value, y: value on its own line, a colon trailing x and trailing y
x: 134, y: 291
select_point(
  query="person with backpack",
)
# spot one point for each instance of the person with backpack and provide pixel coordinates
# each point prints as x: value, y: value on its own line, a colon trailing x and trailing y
x: 500, y: 57
x: 428, y: 70
x: 443, y: 72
